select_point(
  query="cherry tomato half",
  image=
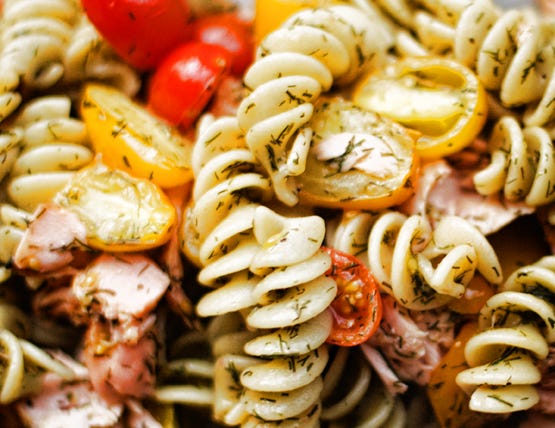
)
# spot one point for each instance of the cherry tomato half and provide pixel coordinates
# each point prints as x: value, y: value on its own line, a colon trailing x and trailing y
x: 141, y: 32
x: 185, y: 81
x: 358, y: 159
x: 357, y: 308
x: 230, y: 32
x: 270, y: 14
x: 438, y: 98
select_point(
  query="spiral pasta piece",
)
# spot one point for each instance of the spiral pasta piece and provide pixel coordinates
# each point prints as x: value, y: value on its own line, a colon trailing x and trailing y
x: 424, y: 268
x: 365, y: 401
x: 270, y: 268
x: 522, y: 164
x: 510, y: 51
x: 312, y: 50
x: 13, y: 223
x: 54, y: 145
x: 34, y: 37
x: 88, y: 57
x: 23, y: 364
x: 186, y: 378
x: 516, y: 327
x: 217, y: 231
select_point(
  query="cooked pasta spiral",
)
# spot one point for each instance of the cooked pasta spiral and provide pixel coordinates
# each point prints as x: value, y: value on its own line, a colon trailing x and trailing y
x: 522, y: 164
x: 511, y: 51
x: 268, y: 266
x: 22, y: 366
x: 186, y: 378
x: 54, y: 144
x: 423, y: 267
x: 516, y: 327
x: 365, y: 401
x: 312, y: 50
x: 217, y: 231
x: 13, y: 223
x: 34, y: 37
x: 89, y: 57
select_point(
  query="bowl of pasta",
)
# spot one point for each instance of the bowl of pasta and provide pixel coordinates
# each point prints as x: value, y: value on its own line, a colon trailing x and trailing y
x: 390, y: 263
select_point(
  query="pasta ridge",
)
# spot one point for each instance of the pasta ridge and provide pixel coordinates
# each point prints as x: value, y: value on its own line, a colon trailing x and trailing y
x: 313, y: 50
x: 515, y: 330
x: 423, y: 266
x: 23, y: 365
x: 510, y: 51
x: 53, y: 146
x: 49, y: 43
x: 43, y: 147
x: 366, y: 397
x: 266, y: 266
x: 88, y: 57
x: 33, y: 38
x: 522, y: 164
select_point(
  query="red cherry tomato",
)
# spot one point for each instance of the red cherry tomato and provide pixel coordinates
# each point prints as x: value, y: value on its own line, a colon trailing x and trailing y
x: 142, y: 32
x: 230, y: 32
x: 357, y: 308
x: 185, y: 81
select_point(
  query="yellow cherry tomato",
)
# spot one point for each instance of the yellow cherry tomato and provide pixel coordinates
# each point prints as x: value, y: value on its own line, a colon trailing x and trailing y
x: 120, y: 212
x: 132, y: 139
x: 270, y: 14
x: 437, y: 97
x: 448, y: 400
x: 357, y: 159
x: 474, y: 298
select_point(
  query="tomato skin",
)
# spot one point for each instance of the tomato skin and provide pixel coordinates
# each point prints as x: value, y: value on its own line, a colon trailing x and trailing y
x: 230, y: 32
x: 185, y: 81
x: 358, y: 293
x: 442, y: 101
x: 142, y: 32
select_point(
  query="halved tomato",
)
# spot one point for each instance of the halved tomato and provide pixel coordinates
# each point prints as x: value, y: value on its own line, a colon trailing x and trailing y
x: 357, y: 308
x: 439, y: 98
x: 120, y: 212
x: 358, y: 159
x: 133, y: 139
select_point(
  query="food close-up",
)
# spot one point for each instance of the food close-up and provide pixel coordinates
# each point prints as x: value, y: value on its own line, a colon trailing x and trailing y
x: 277, y: 213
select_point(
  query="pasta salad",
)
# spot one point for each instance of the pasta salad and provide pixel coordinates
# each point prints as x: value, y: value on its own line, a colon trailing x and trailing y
x: 277, y: 213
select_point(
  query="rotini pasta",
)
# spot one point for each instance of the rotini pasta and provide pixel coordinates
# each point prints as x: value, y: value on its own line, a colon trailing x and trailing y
x: 267, y: 265
x: 13, y: 223
x: 23, y: 364
x: 34, y: 37
x: 366, y: 402
x: 515, y: 329
x: 88, y: 57
x: 260, y: 351
x: 186, y: 378
x: 511, y: 51
x: 522, y: 164
x: 54, y: 144
x: 402, y: 250
x: 311, y: 51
